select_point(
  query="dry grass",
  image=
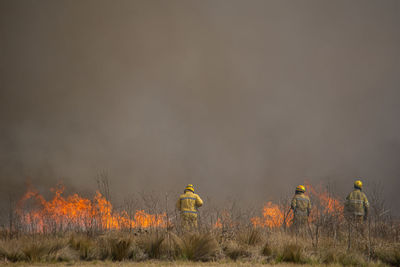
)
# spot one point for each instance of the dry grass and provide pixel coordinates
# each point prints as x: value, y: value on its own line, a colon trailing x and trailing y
x: 251, y: 236
x: 236, y: 251
x: 197, y: 247
x: 389, y: 255
x: 246, y: 246
x: 163, y: 263
x: 151, y: 244
x: 118, y: 249
x: 84, y: 246
x: 292, y: 253
x: 267, y: 250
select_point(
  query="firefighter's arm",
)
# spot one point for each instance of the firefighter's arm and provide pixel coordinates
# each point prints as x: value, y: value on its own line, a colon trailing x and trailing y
x: 293, y: 204
x: 308, y: 207
x: 366, y: 206
x: 346, y: 202
x: 199, y: 202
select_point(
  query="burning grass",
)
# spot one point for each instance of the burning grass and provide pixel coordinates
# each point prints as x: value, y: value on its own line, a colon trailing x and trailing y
x: 78, y: 213
x: 77, y: 229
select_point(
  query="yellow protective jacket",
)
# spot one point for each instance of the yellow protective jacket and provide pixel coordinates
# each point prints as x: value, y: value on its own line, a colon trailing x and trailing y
x: 189, y: 202
x: 301, y: 204
x: 357, y: 203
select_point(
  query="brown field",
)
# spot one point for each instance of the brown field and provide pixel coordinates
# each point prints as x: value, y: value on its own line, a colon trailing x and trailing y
x: 78, y: 231
x: 164, y: 263
x: 245, y: 247
x: 159, y: 263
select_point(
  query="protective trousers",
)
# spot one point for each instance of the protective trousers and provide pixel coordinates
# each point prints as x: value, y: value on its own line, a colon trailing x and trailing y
x: 299, y: 225
x: 189, y: 221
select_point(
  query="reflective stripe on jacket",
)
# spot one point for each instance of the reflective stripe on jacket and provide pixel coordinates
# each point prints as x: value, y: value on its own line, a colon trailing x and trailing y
x: 189, y: 202
x: 356, y: 203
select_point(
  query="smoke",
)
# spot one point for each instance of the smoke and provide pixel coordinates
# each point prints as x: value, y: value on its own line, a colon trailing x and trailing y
x: 243, y: 99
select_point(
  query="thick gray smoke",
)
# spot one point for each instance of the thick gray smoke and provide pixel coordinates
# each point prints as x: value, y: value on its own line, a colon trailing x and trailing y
x: 240, y: 98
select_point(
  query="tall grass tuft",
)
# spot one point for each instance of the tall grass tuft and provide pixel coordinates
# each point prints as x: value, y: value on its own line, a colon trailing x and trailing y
x: 352, y: 259
x: 151, y: 244
x: 11, y: 251
x: 35, y: 251
x: 250, y: 237
x: 121, y: 249
x: 85, y: 246
x: 198, y: 247
x: 329, y: 256
x: 236, y: 251
x: 43, y: 249
x: 388, y: 255
x: 266, y: 250
x: 64, y: 254
x: 291, y: 253
x: 118, y: 249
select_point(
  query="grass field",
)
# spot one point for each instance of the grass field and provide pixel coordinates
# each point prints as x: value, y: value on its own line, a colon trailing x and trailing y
x: 73, y: 230
x: 243, y: 247
x: 175, y: 263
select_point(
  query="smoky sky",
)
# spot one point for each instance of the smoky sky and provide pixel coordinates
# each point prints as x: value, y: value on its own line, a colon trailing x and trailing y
x: 241, y: 98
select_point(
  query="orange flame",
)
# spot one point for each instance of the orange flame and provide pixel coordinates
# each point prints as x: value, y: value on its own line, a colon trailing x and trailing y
x: 329, y: 204
x: 224, y: 220
x: 218, y: 223
x: 75, y: 212
x: 273, y: 216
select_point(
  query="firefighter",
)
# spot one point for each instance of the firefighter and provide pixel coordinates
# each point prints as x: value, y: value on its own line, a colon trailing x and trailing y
x: 357, y: 205
x: 356, y: 211
x: 187, y: 204
x: 301, y: 206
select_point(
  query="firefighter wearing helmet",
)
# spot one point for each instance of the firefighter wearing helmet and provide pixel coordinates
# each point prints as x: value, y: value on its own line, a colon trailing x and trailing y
x: 187, y: 204
x: 301, y: 206
x: 357, y: 205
